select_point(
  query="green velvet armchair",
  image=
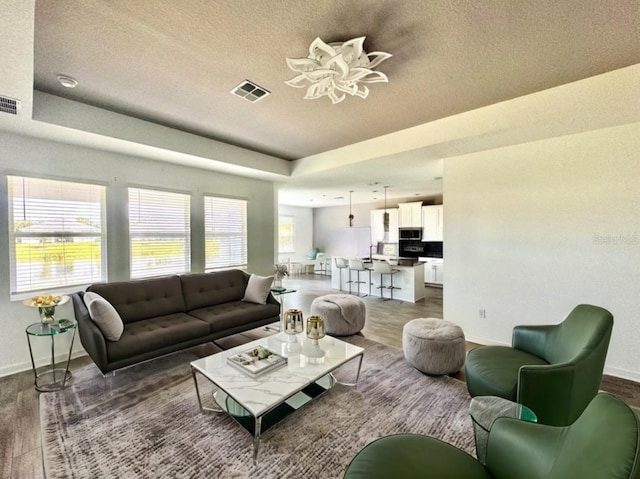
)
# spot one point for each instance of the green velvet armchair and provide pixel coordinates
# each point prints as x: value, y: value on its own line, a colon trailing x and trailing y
x: 555, y: 370
x: 603, y: 443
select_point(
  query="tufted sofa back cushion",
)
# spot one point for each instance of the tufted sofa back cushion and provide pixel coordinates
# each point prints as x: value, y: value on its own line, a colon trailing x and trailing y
x: 143, y: 299
x: 209, y: 289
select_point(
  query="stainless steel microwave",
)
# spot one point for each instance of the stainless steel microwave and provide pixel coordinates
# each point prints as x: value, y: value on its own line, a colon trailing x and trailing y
x: 410, y: 233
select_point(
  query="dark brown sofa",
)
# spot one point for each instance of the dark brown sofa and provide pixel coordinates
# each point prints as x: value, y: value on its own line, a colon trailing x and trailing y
x: 167, y: 314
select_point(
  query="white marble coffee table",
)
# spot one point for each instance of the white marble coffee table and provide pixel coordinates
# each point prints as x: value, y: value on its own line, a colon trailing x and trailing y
x: 259, y: 403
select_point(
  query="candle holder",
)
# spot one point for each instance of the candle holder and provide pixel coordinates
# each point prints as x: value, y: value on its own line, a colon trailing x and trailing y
x: 293, y: 323
x: 315, y: 331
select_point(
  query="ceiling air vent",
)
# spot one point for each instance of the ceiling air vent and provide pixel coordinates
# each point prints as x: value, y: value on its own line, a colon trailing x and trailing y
x: 249, y: 91
x: 9, y: 105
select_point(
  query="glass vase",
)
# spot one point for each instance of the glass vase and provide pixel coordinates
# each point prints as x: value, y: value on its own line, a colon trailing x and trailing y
x: 46, y: 314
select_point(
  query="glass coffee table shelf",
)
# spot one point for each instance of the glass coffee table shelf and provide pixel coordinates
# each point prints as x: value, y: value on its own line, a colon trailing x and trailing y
x: 52, y: 378
x: 273, y: 417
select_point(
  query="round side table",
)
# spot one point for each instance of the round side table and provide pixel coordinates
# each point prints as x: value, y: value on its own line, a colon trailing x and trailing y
x: 278, y: 294
x: 54, y: 378
x: 484, y: 410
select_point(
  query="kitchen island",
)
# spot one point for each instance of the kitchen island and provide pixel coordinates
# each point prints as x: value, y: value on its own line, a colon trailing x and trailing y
x: 409, y: 280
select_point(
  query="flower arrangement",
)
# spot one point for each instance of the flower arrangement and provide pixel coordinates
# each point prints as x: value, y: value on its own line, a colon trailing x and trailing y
x: 281, y: 271
x: 45, y: 300
x: 46, y: 304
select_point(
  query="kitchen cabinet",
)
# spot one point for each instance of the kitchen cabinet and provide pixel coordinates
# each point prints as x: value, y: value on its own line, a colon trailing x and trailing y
x: 433, y: 270
x: 410, y: 215
x: 432, y: 221
x: 377, y: 226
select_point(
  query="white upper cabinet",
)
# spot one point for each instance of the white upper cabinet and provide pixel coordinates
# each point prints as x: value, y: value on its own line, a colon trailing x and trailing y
x: 377, y: 225
x: 410, y: 215
x: 432, y: 223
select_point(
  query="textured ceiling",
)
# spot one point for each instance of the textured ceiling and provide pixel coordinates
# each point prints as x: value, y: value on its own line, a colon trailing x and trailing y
x: 174, y: 63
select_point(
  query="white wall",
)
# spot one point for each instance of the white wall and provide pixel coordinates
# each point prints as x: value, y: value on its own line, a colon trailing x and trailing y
x: 303, y: 218
x: 533, y: 230
x: 26, y: 156
x: 326, y: 220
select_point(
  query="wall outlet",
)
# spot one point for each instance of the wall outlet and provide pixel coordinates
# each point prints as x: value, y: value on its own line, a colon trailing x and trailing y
x: 482, y: 313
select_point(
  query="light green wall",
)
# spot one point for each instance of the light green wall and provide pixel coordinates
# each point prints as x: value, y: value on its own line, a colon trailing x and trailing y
x: 27, y: 156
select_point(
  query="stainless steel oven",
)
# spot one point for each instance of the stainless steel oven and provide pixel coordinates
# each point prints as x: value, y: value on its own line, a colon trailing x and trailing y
x: 415, y: 248
x: 411, y: 248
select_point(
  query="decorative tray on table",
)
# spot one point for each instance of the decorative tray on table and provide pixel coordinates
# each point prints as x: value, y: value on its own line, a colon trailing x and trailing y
x: 256, y: 361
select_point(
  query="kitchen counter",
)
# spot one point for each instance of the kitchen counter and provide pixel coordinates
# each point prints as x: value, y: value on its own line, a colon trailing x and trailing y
x: 409, y: 280
x: 395, y: 260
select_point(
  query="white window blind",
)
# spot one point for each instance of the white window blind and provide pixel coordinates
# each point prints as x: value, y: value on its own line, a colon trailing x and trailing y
x: 225, y: 226
x: 159, y: 232
x: 286, y: 234
x: 57, y: 236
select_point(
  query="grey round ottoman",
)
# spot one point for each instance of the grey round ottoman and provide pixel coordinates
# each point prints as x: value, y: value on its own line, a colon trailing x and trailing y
x: 434, y: 346
x: 343, y: 314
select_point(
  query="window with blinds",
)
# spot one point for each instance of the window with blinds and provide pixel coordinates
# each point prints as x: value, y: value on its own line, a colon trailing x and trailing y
x: 57, y: 234
x: 286, y: 234
x: 159, y: 232
x: 225, y: 227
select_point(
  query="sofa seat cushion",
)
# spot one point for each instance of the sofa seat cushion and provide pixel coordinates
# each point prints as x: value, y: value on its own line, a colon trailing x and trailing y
x: 226, y: 316
x: 148, y: 335
x: 495, y: 370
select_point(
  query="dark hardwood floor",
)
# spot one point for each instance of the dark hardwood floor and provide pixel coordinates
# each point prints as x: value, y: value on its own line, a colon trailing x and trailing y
x: 20, y: 438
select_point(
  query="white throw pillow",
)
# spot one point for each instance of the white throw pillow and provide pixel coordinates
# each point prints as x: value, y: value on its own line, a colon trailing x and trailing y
x: 104, y: 315
x: 258, y: 289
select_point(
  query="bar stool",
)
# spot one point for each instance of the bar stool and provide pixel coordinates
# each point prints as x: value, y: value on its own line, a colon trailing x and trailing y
x: 383, y: 268
x: 320, y: 266
x: 358, y: 266
x: 341, y: 264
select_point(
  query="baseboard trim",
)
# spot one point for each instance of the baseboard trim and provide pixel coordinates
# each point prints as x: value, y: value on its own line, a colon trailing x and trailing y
x: 622, y: 373
x: 40, y: 362
x: 484, y: 341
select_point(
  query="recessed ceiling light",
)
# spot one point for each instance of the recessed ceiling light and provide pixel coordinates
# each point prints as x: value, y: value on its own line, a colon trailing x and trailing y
x: 339, y: 198
x: 67, y: 82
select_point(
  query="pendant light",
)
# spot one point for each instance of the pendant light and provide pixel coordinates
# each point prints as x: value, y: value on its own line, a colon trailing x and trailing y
x: 385, y: 218
x: 350, y: 215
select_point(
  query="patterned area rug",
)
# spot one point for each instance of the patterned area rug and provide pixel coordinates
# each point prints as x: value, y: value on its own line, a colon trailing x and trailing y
x: 145, y: 422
